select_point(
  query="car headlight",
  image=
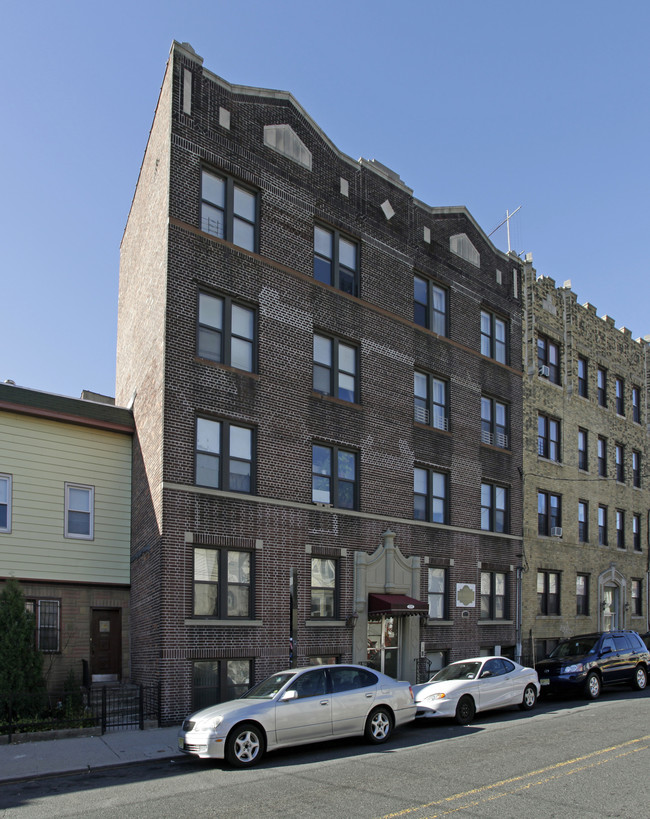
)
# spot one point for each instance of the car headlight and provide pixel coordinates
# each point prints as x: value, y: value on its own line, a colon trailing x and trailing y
x: 573, y: 669
x: 210, y: 724
x: 438, y: 696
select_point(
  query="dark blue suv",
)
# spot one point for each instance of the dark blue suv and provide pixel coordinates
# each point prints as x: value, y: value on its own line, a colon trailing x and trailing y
x: 587, y: 662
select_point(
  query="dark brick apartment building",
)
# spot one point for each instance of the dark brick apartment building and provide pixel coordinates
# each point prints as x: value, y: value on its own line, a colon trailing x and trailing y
x: 325, y: 376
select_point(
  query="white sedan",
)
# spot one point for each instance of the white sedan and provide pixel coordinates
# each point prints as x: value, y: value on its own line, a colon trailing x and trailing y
x: 463, y: 688
x: 296, y: 707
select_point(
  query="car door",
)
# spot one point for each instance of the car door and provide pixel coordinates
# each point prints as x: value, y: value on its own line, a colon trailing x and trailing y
x: 625, y: 658
x: 608, y: 660
x: 309, y: 715
x: 495, y: 684
x: 353, y: 693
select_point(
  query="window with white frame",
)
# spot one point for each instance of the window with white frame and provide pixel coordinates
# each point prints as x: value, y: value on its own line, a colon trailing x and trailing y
x: 79, y: 511
x: 222, y: 583
x: 430, y: 400
x: 493, y: 596
x: 494, y: 343
x: 437, y: 593
x: 323, y: 588
x: 494, y: 507
x: 430, y: 491
x: 46, y: 623
x: 494, y: 422
x: 5, y: 502
x: 336, y: 260
x: 226, y: 332
x: 228, y: 210
x: 224, y: 455
x: 335, y: 368
x: 430, y: 305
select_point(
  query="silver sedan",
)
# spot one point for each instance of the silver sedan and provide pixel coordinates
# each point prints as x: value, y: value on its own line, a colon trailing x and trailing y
x: 462, y: 688
x: 299, y: 706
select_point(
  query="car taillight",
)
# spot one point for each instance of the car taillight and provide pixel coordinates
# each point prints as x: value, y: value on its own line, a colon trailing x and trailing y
x: 411, y: 691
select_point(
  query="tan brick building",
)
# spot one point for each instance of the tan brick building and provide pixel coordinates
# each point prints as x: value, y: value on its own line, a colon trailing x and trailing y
x: 586, y: 484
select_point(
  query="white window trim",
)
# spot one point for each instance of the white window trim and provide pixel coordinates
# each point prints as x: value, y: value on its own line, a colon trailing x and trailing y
x: 91, y: 490
x: 8, y: 478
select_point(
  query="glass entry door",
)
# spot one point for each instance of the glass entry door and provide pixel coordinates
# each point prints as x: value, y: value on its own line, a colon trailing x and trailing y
x: 383, y: 645
x: 610, y: 608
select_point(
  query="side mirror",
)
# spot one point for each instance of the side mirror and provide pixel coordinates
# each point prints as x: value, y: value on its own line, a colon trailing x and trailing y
x: 606, y: 650
x: 291, y: 694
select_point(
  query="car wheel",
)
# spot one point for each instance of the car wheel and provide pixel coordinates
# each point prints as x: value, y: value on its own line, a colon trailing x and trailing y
x: 245, y: 745
x: 640, y: 679
x: 379, y: 725
x: 529, y: 699
x: 465, y: 710
x: 592, y: 686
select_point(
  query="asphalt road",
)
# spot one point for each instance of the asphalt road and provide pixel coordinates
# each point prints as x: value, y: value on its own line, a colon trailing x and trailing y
x: 567, y: 758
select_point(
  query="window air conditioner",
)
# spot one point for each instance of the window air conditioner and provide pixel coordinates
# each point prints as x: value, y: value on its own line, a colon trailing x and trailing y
x: 544, y: 371
x: 556, y: 531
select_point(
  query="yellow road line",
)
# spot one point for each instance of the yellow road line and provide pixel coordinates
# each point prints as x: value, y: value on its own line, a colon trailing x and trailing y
x: 521, y: 777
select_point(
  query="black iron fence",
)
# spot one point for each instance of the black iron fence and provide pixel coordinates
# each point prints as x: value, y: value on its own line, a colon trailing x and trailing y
x: 103, y: 708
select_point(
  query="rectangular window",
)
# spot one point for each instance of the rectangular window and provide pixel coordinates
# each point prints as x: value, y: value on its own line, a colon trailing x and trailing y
x: 636, y: 404
x: 222, y: 583
x: 494, y: 508
x: 548, y: 593
x: 619, y: 386
x: 224, y: 455
x: 430, y: 305
x: 215, y: 681
x: 583, y: 377
x: 79, y: 511
x: 430, y: 495
x: 636, y: 468
x: 620, y: 528
x: 493, y: 596
x: 636, y: 533
x: 583, y: 522
x: 548, y: 438
x: 430, y: 401
x: 582, y: 594
x: 334, y: 477
x: 437, y: 594
x: 636, y: 586
x: 602, y: 457
x: 602, y: 525
x: 226, y: 332
x: 549, y: 513
x: 583, y: 453
x: 494, y: 422
x: 46, y: 624
x: 619, y: 456
x: 602, y: 386
x: 336, y: 260
x: 5, y: 502
x: 548, y: 359
x: 228, y: 210
x: 494, y: 343
x: 335, y: 368
x: 323, y: 588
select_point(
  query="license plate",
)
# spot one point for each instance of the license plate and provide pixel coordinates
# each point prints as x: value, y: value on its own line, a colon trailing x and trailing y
x: 180, y: 743
x: 544, y: 682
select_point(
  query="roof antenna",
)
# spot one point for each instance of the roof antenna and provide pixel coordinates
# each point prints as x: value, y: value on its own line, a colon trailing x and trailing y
x: 506, y: 222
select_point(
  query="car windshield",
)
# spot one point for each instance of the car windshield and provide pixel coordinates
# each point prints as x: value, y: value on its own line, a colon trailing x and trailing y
x: 269, y: 687
x: 574, y: 648
x: 457, y: 671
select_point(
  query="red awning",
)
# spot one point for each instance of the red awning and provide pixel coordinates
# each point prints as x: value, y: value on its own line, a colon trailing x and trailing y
x: 395, y: 604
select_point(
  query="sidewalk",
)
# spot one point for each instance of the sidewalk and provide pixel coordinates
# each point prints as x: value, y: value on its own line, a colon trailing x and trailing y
x: 30, y: 760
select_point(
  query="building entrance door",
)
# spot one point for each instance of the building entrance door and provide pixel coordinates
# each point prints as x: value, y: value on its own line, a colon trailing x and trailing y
x: 610, y: 606
x: 106, y: 645
x: 383, y: 645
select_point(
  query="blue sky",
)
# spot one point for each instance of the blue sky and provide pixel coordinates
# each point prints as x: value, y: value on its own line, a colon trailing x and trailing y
x: 489, y: 104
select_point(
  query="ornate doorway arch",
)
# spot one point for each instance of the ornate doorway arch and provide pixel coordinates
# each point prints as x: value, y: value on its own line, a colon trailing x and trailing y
x: 612, y: 590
